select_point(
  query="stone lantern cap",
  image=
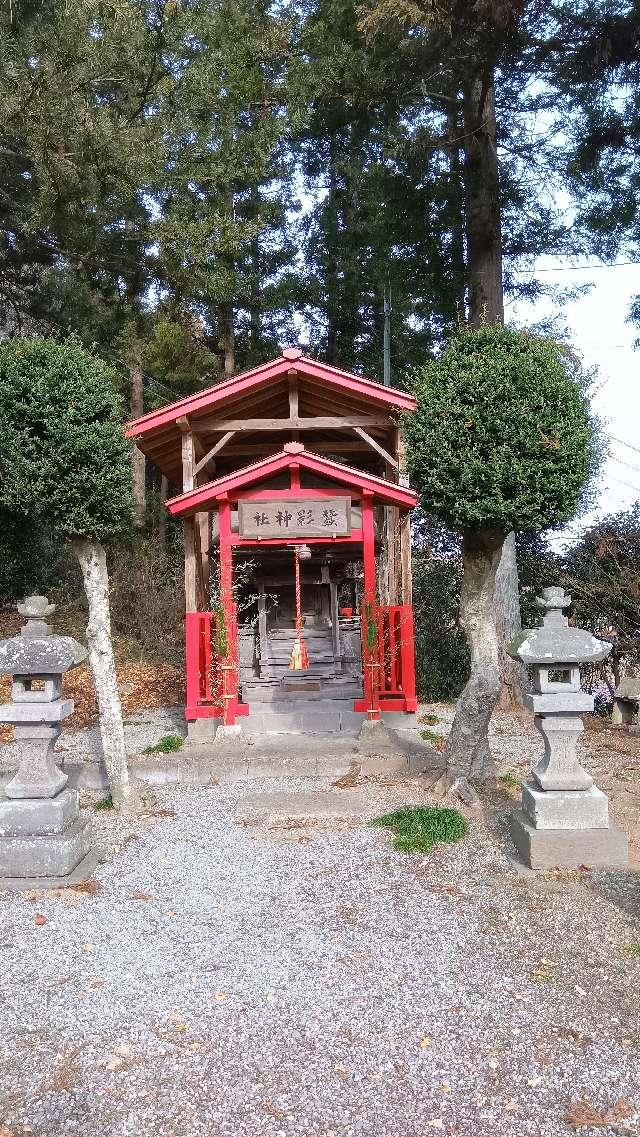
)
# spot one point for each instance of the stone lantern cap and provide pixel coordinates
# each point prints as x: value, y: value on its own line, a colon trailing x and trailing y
x: 35, y: 651
x: 555, y: 642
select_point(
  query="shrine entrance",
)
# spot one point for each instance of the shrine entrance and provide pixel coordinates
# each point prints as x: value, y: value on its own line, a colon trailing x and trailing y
x: 297, y: 565
x: 330, y: 589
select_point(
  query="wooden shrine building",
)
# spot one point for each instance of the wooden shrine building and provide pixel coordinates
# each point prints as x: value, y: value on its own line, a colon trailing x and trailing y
x: 289, y: 480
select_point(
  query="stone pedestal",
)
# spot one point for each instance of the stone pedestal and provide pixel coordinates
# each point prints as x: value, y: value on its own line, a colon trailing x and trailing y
x: 43, y: 839
x: 564, y: 820
x: 569, y: 848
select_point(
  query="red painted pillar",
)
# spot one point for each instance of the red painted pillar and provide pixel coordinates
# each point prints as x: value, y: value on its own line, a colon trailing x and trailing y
x: 228, y: 665
x: 369, y: 613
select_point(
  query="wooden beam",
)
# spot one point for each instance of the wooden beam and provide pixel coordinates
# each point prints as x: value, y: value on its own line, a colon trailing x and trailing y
x: 319, y: 423
x: 213, y: 451
x: 188, y: 461
x: 406, y: 572
x: 375, y: 446
x: 260, y: 449
x: 293, y: 395
x: 190, y: 565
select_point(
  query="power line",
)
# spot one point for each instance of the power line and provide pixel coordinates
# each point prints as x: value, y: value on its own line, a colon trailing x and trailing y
x: 578, y: 268
x: 636, y: 448
x: 627, y: 484
x: 612, y: 458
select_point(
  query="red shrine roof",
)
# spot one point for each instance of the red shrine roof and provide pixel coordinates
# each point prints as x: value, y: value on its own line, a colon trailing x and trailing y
x: 292, y: 359
x: 294, y: 454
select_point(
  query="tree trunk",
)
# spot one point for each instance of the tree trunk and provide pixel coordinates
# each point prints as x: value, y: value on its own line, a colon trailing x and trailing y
x: 482, y: 200
x: 226, y: 340
x: 508, y: 624
x: 486, y: 305
x: 138, y: 463
x: 256, y: 280
x: 93, y: 563
x: 332, y: 258
x: 456, y: 197
x: 467, y: 753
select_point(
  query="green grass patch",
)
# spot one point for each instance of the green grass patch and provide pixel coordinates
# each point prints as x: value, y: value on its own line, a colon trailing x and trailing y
x: 418, y: 829
x: 633, y: 950
x: 430, y: 736
x: 104, y: 803
x: 429, y: 719
x: 510, y: 780
x: 166, y: 745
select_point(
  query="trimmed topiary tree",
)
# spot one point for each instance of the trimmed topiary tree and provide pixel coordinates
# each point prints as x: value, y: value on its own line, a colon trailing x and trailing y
x: 64, y: 462
x: 502, y: 440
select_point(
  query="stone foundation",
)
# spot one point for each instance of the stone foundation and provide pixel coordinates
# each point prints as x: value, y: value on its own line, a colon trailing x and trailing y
x: 569, y: 848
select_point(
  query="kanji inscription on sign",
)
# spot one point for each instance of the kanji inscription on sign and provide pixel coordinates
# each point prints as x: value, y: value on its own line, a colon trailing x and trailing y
x: 311, y: 517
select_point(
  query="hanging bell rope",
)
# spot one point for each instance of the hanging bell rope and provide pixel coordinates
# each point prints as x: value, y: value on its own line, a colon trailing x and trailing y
x: 299, y: 655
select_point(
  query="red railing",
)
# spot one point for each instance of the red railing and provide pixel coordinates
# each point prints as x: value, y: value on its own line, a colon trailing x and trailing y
x: 212, y: 680
x: 388, y: 659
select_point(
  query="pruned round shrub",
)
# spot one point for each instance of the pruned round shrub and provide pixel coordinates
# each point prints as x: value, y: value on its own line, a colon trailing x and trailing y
x: 502, y: 437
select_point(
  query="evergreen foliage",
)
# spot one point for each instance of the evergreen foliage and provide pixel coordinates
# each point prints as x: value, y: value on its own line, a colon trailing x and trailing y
x: 64, y: 456
x: 502, y: 438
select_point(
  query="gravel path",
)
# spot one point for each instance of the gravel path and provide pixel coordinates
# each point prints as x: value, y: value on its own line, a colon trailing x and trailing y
x: 225, y: 982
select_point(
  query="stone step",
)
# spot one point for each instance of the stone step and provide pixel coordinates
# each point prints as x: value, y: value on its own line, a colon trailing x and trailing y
x: 314, y: 719
x: 269, y: 692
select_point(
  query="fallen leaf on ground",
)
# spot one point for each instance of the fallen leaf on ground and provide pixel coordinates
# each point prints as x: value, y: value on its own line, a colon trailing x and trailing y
x: 583, y: 1113
x: 350, y: 779
x: 436, y: 1123
x: 140, y: 896
x: 123, y: 1049
x: 272, y: 1109
x: 424, y: 1042
x: 89, y: 887
x: 40, y: 920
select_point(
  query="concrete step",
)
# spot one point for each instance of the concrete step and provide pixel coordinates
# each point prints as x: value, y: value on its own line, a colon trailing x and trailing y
x: 304, y: 716
x: 296, y: 721
x: 274, y: 692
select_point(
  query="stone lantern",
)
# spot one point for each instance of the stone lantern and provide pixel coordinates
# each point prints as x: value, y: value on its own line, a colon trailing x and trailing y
x: 41, y: 833
x: 564, y: 820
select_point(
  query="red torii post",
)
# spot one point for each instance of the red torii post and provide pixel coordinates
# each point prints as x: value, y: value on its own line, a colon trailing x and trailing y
x: 369, y: 617
x: 229, y: 663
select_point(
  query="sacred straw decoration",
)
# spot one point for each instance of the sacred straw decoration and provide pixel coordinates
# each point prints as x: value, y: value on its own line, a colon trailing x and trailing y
x: 299, y: 655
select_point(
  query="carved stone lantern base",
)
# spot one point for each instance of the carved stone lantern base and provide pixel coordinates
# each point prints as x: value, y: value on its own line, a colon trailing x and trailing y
x: 44, y: 842
x: 569, y: 848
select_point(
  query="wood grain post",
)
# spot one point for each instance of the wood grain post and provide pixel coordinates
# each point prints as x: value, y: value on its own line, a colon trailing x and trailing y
x: 190, y: 561
x: 369, y: 611
x: 229, y: 665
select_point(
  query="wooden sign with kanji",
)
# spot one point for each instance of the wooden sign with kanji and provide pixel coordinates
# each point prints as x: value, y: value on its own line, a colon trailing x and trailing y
x: 322, y: 517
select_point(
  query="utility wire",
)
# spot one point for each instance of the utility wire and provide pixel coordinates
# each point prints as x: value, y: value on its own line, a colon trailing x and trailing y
x: 627, y: 484
x: 621, y: 463
x: 628, y: 444
x: 577, y: 268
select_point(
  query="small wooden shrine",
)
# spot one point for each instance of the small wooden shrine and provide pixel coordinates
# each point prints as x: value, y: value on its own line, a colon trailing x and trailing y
x: 297, y: 537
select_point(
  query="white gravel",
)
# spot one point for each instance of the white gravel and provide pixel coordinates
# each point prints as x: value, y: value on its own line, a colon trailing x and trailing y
x: 323, y: 985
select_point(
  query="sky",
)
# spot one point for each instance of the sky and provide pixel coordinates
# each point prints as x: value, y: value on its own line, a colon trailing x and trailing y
x: 597, y: 327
